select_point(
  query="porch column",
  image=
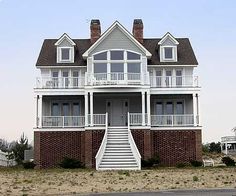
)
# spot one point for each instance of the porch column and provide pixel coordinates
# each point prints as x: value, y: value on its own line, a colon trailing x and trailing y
x: 86, y: 109
x: 194, y: 109
x: 198, y: 109
x: 40, y: 108
x: 91, y: 108
x: 143, y: 108
x: 36, y: 111
x: 148, y: 109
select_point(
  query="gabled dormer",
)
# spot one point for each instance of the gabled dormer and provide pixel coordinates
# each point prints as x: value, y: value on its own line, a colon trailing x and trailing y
x: 65, y: 49
x: 168, y: 48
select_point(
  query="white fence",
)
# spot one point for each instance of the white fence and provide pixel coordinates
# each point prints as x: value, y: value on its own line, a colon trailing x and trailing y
x: 4, y: 161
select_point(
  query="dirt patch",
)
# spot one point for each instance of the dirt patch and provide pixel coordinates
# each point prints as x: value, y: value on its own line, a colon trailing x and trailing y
x: 43, y: 182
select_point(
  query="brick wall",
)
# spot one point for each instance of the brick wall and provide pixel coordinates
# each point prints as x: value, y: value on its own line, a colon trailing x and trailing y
x: 172, y: 146
x: 52, y: 146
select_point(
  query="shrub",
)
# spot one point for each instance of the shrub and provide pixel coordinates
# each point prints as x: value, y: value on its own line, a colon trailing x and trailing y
x: 154, y: 161
x: 228, y: 161
x: 71, y: 163
x: 28, y: 165
x: 195, y: 178
x: 196, y: 163
x: 181, y: 165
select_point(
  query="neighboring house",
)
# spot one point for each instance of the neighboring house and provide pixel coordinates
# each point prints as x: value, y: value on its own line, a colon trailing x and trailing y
x: 228, y: 144
x: 116, y: 98
x: 4, y: 161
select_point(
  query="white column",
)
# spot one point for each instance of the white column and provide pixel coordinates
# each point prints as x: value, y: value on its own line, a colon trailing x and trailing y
x: 148, y: 109
x: 194, y: 109
x: 36, y: 112
x: 40, y: 108
x: 91, y: 108
x: 86, y: 108
x: 199, y: 109
x: 143, y: 108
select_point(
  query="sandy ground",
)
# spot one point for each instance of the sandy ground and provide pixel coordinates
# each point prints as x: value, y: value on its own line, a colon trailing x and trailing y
x: 59, y: 181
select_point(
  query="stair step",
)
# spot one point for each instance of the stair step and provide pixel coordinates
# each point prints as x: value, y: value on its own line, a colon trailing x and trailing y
x: 116, y: 160
x: 110, y: 163
x: 118, y: 157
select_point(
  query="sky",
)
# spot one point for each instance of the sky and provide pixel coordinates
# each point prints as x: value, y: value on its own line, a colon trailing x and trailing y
x: 209, y: 24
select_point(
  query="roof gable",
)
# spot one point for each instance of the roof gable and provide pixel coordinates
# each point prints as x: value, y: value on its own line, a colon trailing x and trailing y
x: 116, y: 26
x: 168, y: 38
x: 64, y: 38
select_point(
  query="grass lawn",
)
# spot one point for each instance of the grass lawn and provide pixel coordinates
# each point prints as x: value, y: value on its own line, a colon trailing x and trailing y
x: 17, y: 181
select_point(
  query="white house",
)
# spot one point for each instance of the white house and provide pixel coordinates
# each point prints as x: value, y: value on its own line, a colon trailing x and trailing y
x: 115, y: 98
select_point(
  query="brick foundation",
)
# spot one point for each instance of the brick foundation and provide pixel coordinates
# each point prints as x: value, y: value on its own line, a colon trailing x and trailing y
x: 50, y: 147
x: 173, y: 146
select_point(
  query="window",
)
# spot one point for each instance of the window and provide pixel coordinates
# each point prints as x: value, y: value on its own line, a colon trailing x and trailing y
x: 133, y: 56
x: 159, y: 108
x: 133, y: 67
x: 75, y: 109
x: 179, y: 107
x: 117, y: 65
x: 179, y: 77
x: 169, y: 108
x: 65, y: 109
x: 100, y: 68
x: 65, y: 54
x: 168, y: 53
x: 55, y: 109
x: 117, y: 55
x: 100, y: 56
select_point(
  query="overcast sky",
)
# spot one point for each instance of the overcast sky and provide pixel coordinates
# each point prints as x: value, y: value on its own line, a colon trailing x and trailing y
x: 210, y: 25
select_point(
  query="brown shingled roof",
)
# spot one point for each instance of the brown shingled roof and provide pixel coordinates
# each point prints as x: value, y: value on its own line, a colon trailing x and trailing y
x: 47, y: 56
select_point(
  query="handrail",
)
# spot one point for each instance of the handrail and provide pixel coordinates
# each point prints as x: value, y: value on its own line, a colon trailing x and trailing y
x: 102, y: 147
x: 133, y: 146
x: 60, y: 82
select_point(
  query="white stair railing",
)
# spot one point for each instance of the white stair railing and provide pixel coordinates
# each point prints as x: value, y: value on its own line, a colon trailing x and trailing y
x: 102, y: 147
x: 133, y: 146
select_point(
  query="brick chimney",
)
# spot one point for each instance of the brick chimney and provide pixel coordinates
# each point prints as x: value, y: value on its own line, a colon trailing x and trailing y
x: 138, y: 30
x: 95, y: 30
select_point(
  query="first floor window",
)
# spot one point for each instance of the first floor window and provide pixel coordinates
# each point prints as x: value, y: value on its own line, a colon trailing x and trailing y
x: 55, y: 109
x: 75, y: 109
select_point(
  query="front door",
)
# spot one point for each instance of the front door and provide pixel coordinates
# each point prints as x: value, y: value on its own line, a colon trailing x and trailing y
x: 117, y: 112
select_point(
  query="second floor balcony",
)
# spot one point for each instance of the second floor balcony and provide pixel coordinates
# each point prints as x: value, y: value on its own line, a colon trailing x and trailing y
x: 173, y: 81
x: 116, y: 79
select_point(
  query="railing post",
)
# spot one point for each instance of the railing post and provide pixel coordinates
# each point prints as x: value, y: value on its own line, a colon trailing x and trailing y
x: 148, y: 109
x: 40, y: 107
x: 172, y: 120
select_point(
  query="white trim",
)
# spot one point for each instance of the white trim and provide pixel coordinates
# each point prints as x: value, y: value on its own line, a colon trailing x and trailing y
x: 62, y: 38
x: 165, y: 37
x: 126, y: 32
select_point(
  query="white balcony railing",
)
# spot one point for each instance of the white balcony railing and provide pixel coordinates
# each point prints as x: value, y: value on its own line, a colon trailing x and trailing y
x: 135, y: 119
x: 98, y: 119
x: 101, y: 79
x: 171, y: 81
x: 172, y: 120
x: 59, y: 82
x: 62, y: 121
x: 228, y: 139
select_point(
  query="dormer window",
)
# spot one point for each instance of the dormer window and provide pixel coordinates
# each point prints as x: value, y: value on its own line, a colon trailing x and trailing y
x: 65, y: 54
x: 168, y: 53
x: 65, y: 49
x: 168, y: 48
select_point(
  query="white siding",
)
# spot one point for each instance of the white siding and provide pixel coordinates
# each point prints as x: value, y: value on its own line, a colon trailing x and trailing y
x: 116, y: 40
